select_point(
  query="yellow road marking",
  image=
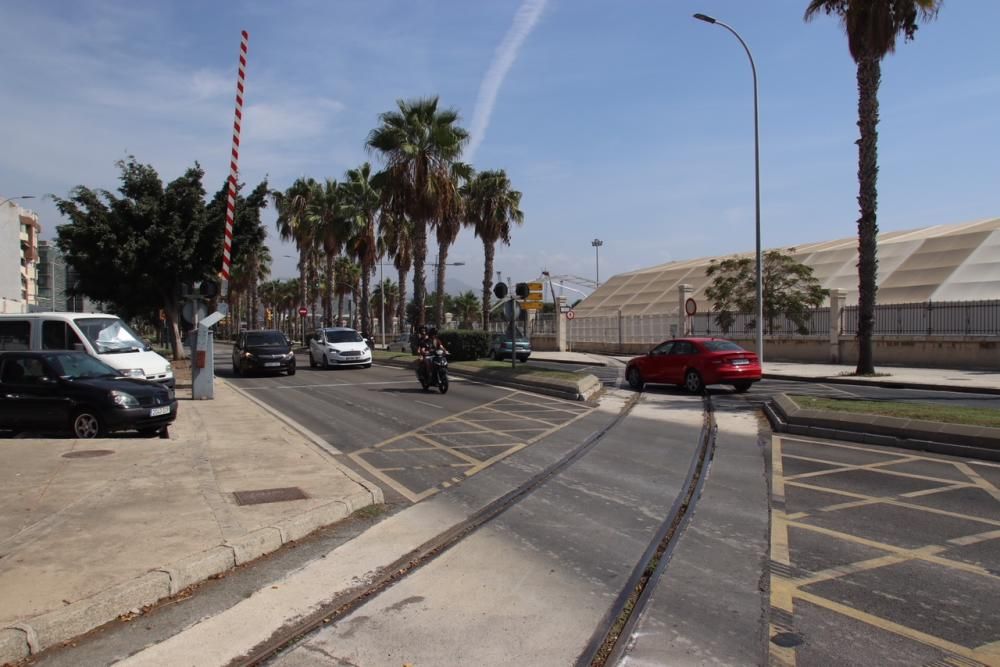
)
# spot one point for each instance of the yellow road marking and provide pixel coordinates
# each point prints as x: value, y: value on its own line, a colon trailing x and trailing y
x: 780, y: 595
x: 988, y: 653
x: 873, y: 467
x: 864, y: 566
x: 888, y: 626
x: 978, y: 480
x: 975, y: 539
x: 471, y: 460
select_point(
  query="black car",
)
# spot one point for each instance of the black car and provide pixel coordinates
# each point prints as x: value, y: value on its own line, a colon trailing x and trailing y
x: 263, y: 351
x: 57, y: 390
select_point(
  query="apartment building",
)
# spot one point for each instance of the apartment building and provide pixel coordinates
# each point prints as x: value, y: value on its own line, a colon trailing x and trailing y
x: 19, y: 232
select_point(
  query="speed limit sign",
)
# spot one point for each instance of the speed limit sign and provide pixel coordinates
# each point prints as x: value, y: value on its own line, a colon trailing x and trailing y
x: 690, y: 307
x: 570, y: 315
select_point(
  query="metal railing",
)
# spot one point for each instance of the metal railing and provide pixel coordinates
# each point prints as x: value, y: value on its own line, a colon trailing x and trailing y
x: 930, y: 318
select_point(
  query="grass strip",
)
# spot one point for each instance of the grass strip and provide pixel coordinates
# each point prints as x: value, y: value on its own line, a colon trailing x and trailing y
x: 948, y: 414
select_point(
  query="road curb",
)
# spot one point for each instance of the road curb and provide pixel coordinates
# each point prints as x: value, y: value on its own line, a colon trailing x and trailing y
x: 570, y: 362
x: 26, y: 638
x: 885, y: 384
x: 980, y: 442
x: 584, y: 389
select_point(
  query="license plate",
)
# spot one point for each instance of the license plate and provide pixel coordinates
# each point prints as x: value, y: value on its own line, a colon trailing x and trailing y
x: 162, y: 410
x: 271, y: 364
x: 740, y: 362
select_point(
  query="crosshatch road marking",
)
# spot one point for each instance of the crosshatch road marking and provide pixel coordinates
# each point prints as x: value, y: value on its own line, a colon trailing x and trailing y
x: 465, y: 437
x: 788, y: 580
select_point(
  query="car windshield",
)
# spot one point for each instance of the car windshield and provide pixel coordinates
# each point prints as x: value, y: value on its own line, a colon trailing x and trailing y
x: 109, y: 335
x: 80, y: 366
x: 266, y: 338
x: 722, y: 346
x: 340, y: 336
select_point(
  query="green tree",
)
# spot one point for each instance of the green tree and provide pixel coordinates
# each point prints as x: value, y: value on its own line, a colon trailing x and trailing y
x: 361, y: 203
x: 448, y: 228
x: 345, y: 274
x: 468, y: 309
x: 296, y: 224
x: 872, y: 28
x: 492, y: 206
x: 396, y: 237
x: 388, y: 291
x: 790, y: 289
x: 332, y: 231
x: 137, y: 250
x: 419, y: 143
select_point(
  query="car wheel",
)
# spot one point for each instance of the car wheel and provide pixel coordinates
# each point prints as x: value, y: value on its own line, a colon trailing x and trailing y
x: 326, y: 362
x: 312, y: 362
x: 87, y: 424
x: 368, y: 365
x: 291, y: 370
x: 741, y: 386
x: 236, y: 370
x: 493, y: 355
x: 693, y: 382
x: 634, y: 378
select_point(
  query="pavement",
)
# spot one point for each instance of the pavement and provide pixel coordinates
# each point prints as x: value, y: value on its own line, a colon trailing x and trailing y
x: 69, y: 557
x: 95, y: 530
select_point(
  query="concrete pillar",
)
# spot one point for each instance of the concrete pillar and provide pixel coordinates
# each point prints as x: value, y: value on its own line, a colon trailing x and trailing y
x: 837, y: 298
x: 684, y: 292
x: 561, y: 324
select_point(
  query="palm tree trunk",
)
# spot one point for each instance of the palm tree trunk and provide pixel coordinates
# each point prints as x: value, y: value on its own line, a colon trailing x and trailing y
x: 442, y: 259
x: 869, y: 77
x: 488, y: 251
x: 366, y: 310
x: 401, y: 306
x: 328, y: 296
x: 340, y: 307
x: 303, y: 282
x: 419, y: 257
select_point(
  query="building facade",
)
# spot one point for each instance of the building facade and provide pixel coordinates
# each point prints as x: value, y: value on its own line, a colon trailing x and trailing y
x: 19, y: 232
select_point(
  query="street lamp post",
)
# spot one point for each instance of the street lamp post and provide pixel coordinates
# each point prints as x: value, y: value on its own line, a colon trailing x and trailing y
x: 597, y: 243
x: 4, y: 201
x: 437, y: 268
x: 756, y: 168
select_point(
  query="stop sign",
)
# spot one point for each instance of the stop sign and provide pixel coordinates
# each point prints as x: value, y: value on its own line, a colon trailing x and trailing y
x: 303, y: 311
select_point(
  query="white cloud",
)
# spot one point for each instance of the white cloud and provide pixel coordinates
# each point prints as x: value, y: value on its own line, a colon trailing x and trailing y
x: 524, y: 22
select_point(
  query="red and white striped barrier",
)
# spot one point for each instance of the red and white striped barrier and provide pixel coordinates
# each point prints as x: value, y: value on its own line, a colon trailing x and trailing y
x: 234, y: 159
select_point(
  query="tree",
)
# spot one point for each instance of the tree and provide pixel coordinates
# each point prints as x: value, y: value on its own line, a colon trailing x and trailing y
x: 361, y: 204
x: 295, y: 224
x: 790, y: 289
x: 872, y: 28
x: 345, y: 274
x: 468, y: 308
x: 332, y: 230
x: 388, y: 292
x: 418, y: 144
x: 137, y: 250
x: 396, y: 235
x: 491, y: 206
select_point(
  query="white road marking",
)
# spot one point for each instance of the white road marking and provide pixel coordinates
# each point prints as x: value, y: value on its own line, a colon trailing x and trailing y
x: 439, y: 407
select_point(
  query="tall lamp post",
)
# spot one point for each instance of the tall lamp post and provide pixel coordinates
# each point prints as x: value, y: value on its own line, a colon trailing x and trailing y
x: 756, y: 168
x: 4, y: 201
x: 437, y: 268
x: 597, y: 243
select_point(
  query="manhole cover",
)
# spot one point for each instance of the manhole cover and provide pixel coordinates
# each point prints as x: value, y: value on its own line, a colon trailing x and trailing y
x: 787, y: 639
x: 261, y: 496
x: 87, y: 453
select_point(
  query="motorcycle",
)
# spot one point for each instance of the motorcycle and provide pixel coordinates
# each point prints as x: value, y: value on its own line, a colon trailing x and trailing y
x: 438, y: 376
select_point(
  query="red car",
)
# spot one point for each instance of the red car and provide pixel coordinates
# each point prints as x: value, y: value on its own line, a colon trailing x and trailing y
x: 693, y: 363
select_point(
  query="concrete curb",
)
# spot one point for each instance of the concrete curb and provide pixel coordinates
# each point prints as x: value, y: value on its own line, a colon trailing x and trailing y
x: 29, y: 637
x: 885, y: 384
x: 584, y: 389
x: 570, y: 362
x: 980, y: 442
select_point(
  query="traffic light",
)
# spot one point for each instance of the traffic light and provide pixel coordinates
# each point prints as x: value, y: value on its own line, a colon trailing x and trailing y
x: 500, y: 290
x: 522, y: 290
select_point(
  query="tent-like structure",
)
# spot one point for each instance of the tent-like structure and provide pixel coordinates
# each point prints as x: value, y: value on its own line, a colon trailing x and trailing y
x: 941, y: 263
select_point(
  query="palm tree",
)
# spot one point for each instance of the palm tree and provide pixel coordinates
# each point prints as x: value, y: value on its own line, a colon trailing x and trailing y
x: 361, y: 200
x: 396, y: 236
x: 294, y: 223
x: 872, y: 28
x: 332, y: 232
x: 385, y: 298
x: 419, y: 143
x: 491, y: 206
x: 467, y: 309
x: 448, y: 228
x: 345, y: 275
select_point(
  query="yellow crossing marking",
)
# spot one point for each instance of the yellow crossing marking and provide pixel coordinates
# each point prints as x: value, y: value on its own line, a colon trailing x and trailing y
x: 978, y: 480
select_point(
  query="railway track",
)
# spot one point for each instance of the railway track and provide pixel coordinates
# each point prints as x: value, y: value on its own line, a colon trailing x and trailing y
x: 603, y: 647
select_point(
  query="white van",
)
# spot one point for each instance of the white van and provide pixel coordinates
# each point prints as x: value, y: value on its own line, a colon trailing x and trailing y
x: 106, y: 337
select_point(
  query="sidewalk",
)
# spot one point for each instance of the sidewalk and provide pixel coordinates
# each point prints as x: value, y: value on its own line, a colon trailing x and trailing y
x: 91, y: 530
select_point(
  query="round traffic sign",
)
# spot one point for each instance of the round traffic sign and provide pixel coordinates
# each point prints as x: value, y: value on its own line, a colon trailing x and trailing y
x: 690, y: 307
x: 570, y: 315
x: 303, y: 311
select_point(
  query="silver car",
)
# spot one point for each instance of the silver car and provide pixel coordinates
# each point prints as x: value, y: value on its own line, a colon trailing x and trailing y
x: 339, y: 346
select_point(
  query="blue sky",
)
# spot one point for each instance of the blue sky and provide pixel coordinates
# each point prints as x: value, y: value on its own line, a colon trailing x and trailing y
x: 627, y: 121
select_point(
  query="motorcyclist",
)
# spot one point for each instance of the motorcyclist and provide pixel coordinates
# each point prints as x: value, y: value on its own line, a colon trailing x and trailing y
x: 426, y: 348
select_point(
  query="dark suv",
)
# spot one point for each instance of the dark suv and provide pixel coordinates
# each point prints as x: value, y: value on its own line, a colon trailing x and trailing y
x: 267, y: 351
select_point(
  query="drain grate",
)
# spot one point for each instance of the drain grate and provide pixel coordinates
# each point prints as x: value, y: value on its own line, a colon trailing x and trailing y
x: 87, y: 453
x: 261, y: 496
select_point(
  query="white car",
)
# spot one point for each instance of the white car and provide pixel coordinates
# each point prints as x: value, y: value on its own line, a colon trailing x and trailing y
x: 401, y: 344
x: 339, y: 346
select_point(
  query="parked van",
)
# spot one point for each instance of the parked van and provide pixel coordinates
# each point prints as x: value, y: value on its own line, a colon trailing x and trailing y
x: 106, y: 337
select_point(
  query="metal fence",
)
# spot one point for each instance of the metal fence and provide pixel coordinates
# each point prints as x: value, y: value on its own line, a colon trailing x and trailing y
x: 953, y: 318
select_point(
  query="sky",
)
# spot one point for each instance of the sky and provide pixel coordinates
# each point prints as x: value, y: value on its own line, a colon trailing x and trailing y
x: 628, y: 122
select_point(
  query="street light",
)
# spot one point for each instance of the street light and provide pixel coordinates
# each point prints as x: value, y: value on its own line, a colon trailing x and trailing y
x: 437, y: 268
x: 17, y: 197
x: 756, y: 168
x: 597, y: 243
